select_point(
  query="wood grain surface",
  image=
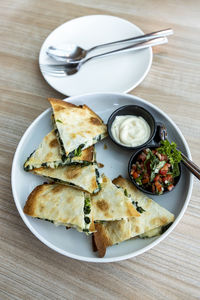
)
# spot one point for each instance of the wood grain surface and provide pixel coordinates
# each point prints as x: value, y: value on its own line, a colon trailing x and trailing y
x: 30, y: 270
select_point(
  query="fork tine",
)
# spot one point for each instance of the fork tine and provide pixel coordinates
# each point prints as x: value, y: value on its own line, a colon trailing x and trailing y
x: 53, y: 67
x: 60, y: 69
x: 57, y: 70
x: 56, y: 74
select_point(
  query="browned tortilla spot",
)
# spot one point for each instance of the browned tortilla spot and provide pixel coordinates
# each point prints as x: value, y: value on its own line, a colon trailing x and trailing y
x: 48, y: 156
x: 107, y: 215
x: 54, y: 143
x: 94, y: 183
x: 58, y: 108
x: 92, y: 227
x: 72, y: 172
x: 104, y: 179
x: 100, y: 165
x: 93, y: 113
x: 118, y: 180
x: 58, y: 188
x: 88, y: 154
x: 102, y: 205
x: 159, y: 221
x: 73, y: 135
x: 95, y: 121
x: 137, y: 229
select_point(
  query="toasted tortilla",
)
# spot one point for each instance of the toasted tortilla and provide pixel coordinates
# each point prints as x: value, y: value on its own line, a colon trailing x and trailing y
x: 154, y: 216
x: 61, y: 205
x: 84, y: 178
x: 77, y: 127
x: 48, y: 155
x: 111, y: 203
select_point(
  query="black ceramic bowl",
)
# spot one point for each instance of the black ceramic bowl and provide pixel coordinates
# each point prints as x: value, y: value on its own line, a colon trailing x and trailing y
x: 133, y: 161
x: 132, y: 110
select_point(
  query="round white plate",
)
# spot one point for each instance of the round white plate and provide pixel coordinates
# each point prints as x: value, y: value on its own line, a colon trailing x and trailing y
x: 70, y: 242
x: 117, y: 73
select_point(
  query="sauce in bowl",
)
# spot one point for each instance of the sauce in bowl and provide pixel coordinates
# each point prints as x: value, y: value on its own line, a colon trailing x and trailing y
x: 130, y: 131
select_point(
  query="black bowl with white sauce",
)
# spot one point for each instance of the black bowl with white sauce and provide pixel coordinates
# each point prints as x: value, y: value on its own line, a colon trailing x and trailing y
x: 131, y: 127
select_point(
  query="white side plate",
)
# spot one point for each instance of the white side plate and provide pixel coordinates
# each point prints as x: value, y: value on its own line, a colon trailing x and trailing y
x: 117, y: 73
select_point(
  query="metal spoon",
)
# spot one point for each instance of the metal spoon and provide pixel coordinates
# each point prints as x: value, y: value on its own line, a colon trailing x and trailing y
x: 69, y: 68
x: 76, y: 53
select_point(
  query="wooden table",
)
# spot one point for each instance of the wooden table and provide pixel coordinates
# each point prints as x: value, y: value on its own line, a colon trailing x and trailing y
x: 30, y: 270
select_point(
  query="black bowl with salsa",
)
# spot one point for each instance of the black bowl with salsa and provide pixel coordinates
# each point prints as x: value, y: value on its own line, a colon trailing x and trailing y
x: 156, y: 170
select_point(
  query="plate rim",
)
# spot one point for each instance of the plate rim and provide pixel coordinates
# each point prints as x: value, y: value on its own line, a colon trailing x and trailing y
x: 98, y: 15
x: 97, y: 259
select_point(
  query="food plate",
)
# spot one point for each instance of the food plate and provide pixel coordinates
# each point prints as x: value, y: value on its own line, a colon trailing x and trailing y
x: 103, y: 74
x: 72, y: 243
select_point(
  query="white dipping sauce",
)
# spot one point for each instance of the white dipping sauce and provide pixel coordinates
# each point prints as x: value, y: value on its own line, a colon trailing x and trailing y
x: 131, y: 131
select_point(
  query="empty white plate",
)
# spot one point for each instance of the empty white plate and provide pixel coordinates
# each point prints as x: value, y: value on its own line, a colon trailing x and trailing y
x: 116, y: 73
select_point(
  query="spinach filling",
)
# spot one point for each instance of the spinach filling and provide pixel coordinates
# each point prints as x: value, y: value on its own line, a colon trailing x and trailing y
x: 87, y: 220
x: 126, y: 193
x: 155, y: 232
x: 56, y: 164
x: 138, y: 208
x: 63, y: 155
x: 87, y: 211
x: 97, y: 179
x: 165, y: 227
x: 98, y: 138
x: 27, y: 168
x: 87, y: 208
x: 45, y: 220
x: 76, y: 152
x: 135, y: 203
x: 61, y: 181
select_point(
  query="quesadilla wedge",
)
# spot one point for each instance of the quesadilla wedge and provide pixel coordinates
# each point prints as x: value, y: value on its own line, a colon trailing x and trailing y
x: 111, y: 203
x: 85, y: 178
x: 152, y: 220
x: 48, y: 155
x: 61, y: 205
x: 76, y: 127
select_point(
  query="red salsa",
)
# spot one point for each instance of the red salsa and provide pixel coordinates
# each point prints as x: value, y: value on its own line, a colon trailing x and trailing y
x: 155, y: 169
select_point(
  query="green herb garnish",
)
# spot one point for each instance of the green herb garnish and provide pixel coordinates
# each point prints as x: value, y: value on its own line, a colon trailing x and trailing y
x: 59, y: 121
x: 173, y: 155
x: 138, y: 180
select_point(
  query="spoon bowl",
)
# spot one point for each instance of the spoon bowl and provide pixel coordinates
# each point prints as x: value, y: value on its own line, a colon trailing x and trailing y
x: 71, y: 52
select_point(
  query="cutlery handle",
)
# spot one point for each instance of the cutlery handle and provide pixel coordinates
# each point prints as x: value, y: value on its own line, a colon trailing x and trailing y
x: 142, y: 45
x: 191, y: 166
x: 141, y: 38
